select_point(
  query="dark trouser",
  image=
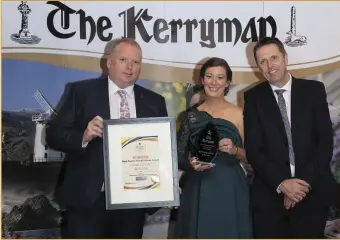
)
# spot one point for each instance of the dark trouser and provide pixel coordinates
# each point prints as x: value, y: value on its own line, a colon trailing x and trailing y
x: 98, y: 222
x: 295, y: 223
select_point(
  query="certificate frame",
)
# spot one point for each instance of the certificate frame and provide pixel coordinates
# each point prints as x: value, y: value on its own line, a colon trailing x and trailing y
x: 117, y: 134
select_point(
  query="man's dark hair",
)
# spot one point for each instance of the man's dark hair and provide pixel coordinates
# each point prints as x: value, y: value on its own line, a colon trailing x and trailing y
x: 269, y: 40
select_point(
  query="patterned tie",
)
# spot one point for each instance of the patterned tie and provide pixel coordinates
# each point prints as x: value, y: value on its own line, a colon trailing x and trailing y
x: 283, y: 110
x: 124, y: 105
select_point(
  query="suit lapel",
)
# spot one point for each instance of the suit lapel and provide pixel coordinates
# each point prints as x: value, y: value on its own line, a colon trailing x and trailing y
x: 273, y: 108
x: 102, y: 103
x: 144, y: 108
x: 141, y: 107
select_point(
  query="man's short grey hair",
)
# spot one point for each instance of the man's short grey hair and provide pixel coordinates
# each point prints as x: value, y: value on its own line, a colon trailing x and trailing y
x: 112, y: 46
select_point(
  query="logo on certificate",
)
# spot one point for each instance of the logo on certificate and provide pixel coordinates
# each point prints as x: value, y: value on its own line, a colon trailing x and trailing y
x: 140, y: 160
x: 140, y: 147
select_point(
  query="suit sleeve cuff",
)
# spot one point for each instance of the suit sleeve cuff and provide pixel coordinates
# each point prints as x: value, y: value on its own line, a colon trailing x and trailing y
x: 84, y: 144
x: 278, y: 188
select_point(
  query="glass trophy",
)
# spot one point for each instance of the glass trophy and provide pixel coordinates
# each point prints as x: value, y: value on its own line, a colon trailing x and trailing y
x: 206, y: 148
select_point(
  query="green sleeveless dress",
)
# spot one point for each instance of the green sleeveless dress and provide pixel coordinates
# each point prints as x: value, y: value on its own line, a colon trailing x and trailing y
x: 214, y: 202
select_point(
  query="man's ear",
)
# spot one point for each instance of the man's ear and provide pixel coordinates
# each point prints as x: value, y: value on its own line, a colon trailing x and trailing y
x: 108, y: 61
x: 286, y: 59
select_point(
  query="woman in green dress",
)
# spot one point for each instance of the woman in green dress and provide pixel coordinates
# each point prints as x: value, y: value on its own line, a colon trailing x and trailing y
x: 214, y: 200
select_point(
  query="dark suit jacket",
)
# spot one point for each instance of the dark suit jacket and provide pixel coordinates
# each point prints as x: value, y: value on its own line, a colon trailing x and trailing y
x: 84, y: 170
x: 266, y: 143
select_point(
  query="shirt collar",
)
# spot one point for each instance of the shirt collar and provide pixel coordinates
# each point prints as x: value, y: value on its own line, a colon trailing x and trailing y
x: 113, y: 88
x: 287, y: 87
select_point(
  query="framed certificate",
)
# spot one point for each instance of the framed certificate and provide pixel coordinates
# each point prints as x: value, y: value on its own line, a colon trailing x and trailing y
x: 140, y: 162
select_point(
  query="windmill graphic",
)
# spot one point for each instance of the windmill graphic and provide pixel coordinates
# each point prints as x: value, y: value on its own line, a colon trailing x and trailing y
x: 42, y: 153
x: 48, y: 111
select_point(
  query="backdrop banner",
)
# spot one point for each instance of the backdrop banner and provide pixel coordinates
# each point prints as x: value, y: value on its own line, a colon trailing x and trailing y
x: 48, y: 44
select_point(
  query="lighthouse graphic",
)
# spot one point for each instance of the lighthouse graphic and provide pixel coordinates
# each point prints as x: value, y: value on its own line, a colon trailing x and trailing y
x: 42, y: 153
x: 294, y: 40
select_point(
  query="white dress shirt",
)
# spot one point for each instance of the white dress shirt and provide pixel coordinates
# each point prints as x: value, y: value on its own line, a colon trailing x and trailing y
x: 287, y: 97
x: 115, y: 100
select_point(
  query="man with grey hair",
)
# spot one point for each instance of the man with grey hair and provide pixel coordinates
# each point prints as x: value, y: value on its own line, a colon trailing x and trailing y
x: 77, y: 130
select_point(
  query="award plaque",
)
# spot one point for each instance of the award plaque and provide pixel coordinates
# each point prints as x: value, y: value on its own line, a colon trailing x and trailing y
x: 207, y: 145
x: 140, y: 160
